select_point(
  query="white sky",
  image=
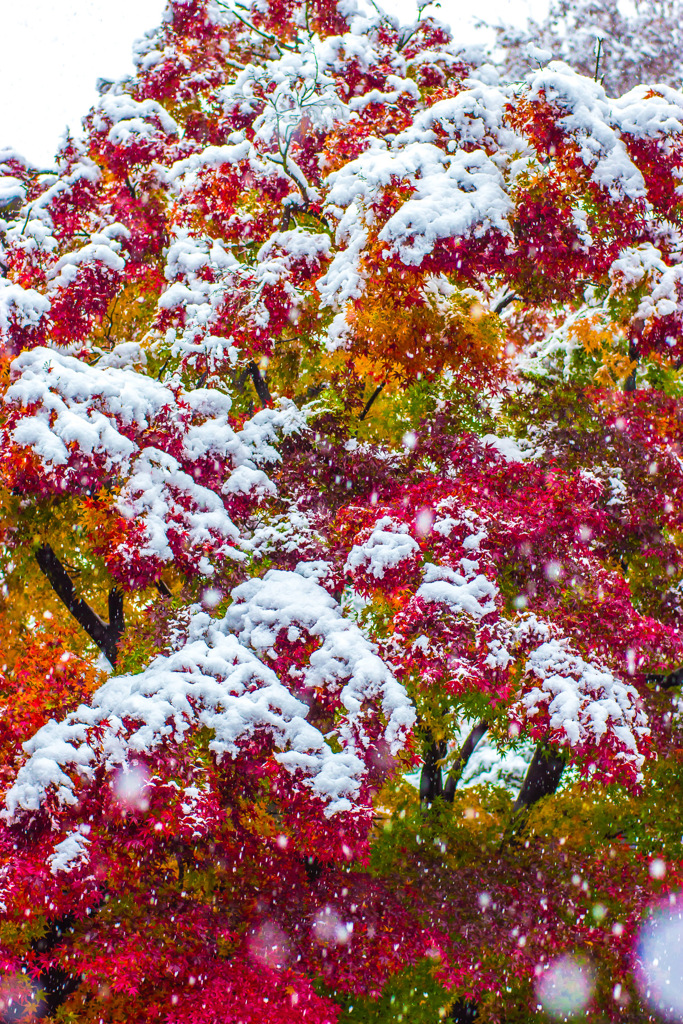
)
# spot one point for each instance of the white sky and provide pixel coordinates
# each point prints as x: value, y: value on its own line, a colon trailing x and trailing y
x: 55, y: 50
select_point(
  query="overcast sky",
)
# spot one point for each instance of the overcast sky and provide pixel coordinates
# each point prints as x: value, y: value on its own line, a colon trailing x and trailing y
x: 55, y: 50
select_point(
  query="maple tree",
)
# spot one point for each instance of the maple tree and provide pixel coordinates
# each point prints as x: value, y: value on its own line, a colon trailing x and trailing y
x: 340, y: 451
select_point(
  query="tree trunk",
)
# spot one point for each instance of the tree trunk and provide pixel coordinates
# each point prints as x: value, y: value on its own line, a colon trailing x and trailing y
x: 431, y: 782
x: 542, y: 777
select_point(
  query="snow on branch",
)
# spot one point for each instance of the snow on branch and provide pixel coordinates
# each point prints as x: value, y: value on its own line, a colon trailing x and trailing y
x: 582, y: 705
x: 286, y: 605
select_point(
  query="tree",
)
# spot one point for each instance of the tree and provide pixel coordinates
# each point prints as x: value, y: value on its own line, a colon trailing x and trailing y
x: 341, y: 427
x: 622, y: 47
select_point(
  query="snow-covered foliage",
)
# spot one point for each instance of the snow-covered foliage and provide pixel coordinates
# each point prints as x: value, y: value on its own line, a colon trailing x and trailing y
x: 215, y: 682
x: 340, y: 444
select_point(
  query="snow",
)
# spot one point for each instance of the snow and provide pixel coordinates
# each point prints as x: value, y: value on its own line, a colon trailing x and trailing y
x: 259, y: 435
x: 65, y: 402
x: 207, y: 281
x: 508, y: 447
x: 122, y: 117
x: 454, y: 195
x: 344, y: 278
x: 384, y: 549
x: 584, y: 701
x: 585, y: 114
x: 555, y: 354
x: 24, y: 307
x: 488, y: 766
x: 73, y: 403
x: 291, y: 532
x: 78, y: 420
x: 284, y: 246
x: 164, y: 502
x: 216, y: 681
x: 394, y: 89
x: 282, y: 93
x: 345, y: 663
x: 10, y: 189
x: 473, y: 118
x: 183, y: 173
x: 644, y: 265
x: 71, y: 852
x: 125, y: 354
x: 464, y: 592
x: 103, y: 248
x: 649, y: 112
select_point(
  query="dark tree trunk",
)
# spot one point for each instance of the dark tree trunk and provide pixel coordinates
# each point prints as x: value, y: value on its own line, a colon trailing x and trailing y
x: 630, y: 383
x: 666, y: 680
x: 463, y: 1012
x: 431, y: 782
x: 542, y: 777
x: 56, y: 985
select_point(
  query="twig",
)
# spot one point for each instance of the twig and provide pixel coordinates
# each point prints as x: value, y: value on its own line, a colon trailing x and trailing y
x: 30, y: 209
x: 268, y: 36
x: 598, y: 52
x: 165, y: 364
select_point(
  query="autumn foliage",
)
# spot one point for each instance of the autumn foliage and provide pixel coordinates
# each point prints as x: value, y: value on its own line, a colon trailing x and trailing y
x: 341, y: 526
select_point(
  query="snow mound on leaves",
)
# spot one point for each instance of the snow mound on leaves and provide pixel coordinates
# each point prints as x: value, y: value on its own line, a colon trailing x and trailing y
x: 345, y: 661
x: 585, y: 706
x: 216, y: 682
x: 467, y: 592
x: 384, y: 548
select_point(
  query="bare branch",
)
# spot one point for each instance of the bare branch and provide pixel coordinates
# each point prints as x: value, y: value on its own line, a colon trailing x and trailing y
x: 105, y: 634
x: 262, y: 389
x: 461, y: 760
x: 504, y: 302
x: 268, y: 36
x: 368, y: 405
x: 598, y: 54
x: 163, y: 589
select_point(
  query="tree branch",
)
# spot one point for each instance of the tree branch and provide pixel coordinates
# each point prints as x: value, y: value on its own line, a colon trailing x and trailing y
x: 598, y: 54
x: 262, y: 389
x: 368, y: 405
x: 666, y: 680
x: 461, y: 760
x: 105, y: 634
x: 277, y: 43
x: 505, y: 301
